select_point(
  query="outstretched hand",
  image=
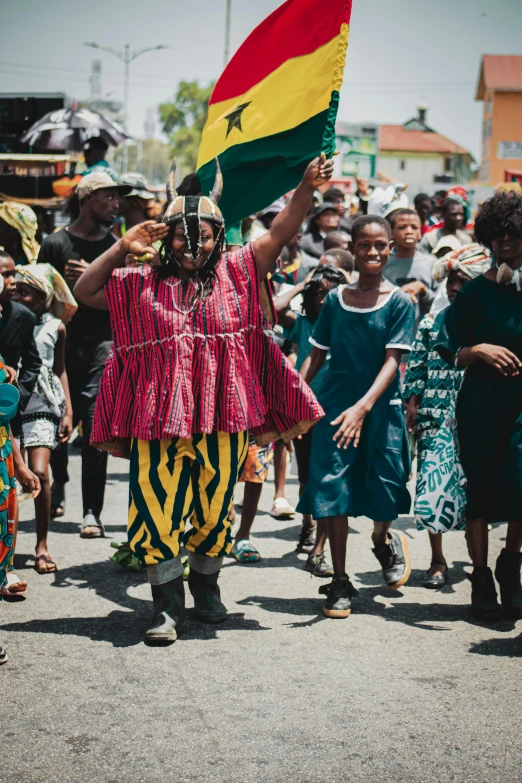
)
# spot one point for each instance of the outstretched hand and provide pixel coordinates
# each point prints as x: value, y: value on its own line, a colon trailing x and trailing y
x: 319, y: 171
x: 351, y: 421
x: 139, y: 240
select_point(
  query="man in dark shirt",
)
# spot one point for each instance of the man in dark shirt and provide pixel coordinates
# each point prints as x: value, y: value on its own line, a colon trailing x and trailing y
x: 89, y: 336
x: 17, y: 344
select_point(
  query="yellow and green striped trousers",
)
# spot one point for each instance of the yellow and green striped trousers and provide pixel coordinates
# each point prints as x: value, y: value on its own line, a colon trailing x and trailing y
x: 173, y: 482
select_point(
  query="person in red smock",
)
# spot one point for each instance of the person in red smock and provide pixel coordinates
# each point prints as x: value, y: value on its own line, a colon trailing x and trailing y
x: 193, y: 368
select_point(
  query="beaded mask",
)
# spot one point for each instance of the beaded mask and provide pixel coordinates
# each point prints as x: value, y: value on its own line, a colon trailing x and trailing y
x: 191, y: 210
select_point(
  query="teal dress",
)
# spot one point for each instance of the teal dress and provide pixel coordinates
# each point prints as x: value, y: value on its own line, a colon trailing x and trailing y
x: 489, y: 405
x: 369, y: 480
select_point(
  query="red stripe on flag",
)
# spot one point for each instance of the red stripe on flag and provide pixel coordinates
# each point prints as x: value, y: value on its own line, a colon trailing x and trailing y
x: 297, y: 28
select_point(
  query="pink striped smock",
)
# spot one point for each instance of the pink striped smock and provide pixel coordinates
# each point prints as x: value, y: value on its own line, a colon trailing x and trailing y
x: 176, y: 374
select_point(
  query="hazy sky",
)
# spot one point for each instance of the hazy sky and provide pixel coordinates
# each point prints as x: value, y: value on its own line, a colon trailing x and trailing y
x: 400, y: 52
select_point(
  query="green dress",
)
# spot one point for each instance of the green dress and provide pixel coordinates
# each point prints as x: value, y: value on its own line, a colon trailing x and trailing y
x: 489, y: 405
x: 369, y: 480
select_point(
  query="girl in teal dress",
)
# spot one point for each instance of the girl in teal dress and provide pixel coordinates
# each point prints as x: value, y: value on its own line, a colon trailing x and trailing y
x: 360, y: 458
x: 482, y: 332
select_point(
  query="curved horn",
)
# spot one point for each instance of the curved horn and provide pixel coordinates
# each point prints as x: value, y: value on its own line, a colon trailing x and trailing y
x: 171, y: 183
x: 217, y: 190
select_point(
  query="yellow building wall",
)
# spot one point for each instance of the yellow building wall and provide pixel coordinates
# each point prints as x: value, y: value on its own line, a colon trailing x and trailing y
x: 502, y: 122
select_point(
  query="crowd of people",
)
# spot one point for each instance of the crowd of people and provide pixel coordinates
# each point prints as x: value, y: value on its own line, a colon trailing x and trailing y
x: 345, y: 330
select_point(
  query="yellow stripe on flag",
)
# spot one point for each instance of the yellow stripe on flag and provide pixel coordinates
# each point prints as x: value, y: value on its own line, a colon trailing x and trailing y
x: 299, y: 89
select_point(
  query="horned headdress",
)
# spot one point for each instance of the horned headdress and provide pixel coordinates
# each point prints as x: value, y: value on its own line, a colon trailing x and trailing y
x: 191, y: 210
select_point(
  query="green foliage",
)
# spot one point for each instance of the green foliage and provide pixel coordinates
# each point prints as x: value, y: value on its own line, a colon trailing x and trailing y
x: 183, y: 120
x: 151, y: 157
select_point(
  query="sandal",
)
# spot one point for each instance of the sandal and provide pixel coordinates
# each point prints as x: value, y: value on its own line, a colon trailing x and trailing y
x: 3, y: 655
x: 436, y: 581
x: 9, y: 593
x: 44, y: 564
x: 92, y: 527
x: 57, y: 502
x: 245, y: 552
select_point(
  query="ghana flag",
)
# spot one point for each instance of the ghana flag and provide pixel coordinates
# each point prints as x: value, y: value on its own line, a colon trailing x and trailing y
x: 275, y: 105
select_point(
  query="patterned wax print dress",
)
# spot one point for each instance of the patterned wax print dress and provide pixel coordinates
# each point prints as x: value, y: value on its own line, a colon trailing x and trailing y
x: 7, y: 496
x: 42, y: 418
x: 489, y: 405
x: 369, y: 480
x: 432, y: 379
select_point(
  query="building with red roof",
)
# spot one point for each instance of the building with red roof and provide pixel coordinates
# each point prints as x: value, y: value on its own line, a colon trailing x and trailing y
x: 416, y: 154
x: 500, y: 87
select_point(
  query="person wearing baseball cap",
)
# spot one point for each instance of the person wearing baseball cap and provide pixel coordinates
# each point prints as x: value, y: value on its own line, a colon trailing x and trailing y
x: 135, y: 206
x: 89, y: 337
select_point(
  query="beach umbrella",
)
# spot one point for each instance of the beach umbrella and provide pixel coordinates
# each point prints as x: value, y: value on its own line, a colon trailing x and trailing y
x: 69, y: 129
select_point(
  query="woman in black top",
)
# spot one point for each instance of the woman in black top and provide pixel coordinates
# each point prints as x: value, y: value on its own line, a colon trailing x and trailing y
x: 483, y: 333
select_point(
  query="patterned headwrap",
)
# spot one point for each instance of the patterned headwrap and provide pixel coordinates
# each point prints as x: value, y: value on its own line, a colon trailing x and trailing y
x: 22, y: 218
x: 58, y: 299
x: 473, y: 260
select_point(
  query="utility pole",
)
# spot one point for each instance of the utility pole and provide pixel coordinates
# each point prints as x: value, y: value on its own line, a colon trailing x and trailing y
x: 126, y: 56
x: 227, y: 31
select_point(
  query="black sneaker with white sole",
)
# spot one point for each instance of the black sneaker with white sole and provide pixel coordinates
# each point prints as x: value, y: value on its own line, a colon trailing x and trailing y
x: 339, y: 594
x: 395, y: 560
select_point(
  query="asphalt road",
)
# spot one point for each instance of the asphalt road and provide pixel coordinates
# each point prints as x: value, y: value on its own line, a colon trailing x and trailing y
x: 409, y: 689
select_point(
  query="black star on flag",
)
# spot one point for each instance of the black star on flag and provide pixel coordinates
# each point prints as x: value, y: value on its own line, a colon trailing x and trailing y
x: 234, y: 118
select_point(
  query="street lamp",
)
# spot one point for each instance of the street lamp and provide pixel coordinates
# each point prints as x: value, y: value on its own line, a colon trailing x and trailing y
x: 126, y: 56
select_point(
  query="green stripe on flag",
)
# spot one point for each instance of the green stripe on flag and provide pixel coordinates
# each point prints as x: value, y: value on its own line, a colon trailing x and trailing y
x: 258, y: 172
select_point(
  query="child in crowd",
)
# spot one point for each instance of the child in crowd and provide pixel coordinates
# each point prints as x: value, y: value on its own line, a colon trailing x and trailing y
x: 407, y: 267
x: 360, y: 458
x: 11, y: 465
x: 255, y: 473
x: 298, y: 328
x: 340, y: 259
x: 431, y: 385
x: 47, y: 419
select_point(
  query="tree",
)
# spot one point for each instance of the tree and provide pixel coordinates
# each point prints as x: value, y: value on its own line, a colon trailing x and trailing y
x: 151, y: 157
x: 183, y: 120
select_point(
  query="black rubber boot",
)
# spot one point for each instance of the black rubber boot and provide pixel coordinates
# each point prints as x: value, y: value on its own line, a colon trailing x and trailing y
x: 507, y: 574
x: 207, y: 597
x: 169, y: 612
x: 484, y: 604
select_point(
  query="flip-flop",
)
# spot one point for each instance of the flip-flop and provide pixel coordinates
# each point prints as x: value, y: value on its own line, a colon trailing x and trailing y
x: 7, y: 592
x: 245, y: 552
x: 48, y: 560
